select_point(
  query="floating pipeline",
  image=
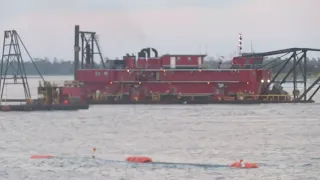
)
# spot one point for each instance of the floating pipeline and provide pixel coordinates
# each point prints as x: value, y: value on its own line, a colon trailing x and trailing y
x: 143, y: 159
x: 136, y: 161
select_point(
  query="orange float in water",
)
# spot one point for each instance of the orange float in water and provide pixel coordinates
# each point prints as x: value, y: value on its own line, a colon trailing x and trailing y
x: 41, y: 157
x: 247, y: 165
x: 139, y: 159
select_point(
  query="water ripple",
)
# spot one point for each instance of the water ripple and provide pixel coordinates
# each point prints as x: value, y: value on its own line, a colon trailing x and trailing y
x: 284, y: 137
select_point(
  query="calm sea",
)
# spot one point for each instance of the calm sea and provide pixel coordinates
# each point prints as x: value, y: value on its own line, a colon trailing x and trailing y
x: 284, y: 139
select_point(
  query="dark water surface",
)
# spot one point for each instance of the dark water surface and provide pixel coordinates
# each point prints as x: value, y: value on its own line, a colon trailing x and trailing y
x: 285, y: 139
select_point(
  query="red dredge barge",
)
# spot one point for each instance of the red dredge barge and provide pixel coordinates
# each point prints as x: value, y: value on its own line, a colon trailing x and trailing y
x: 182, y: 78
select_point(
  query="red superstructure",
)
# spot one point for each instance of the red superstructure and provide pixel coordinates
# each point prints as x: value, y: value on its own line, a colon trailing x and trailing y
x: 174, y: 75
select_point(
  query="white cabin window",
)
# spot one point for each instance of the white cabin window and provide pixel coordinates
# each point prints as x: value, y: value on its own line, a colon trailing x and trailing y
x: 97, y: 73
x: 105, y: 73
x: 189, y: 58
x: 178, y: 59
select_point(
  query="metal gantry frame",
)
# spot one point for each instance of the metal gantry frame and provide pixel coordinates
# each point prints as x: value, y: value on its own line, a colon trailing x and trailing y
x: 89, y: 47
x: 13, y: 60
x: 299, y: 58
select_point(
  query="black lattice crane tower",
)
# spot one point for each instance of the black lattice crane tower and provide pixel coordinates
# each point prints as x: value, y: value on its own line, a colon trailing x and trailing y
x: 87, y: 43
x: 12, y: 62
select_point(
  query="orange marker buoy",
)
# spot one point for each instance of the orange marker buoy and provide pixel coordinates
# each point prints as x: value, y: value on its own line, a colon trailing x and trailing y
x: 41, y: 157
x: 139, y: 159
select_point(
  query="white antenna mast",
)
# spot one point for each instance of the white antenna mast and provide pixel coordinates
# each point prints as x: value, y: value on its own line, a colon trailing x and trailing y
x: 206, y: 49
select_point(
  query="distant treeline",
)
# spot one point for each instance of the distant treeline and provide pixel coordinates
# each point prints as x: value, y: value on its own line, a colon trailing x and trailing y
x: 62, y: 67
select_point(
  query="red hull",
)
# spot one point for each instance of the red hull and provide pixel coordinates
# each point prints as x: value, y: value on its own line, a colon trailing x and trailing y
x: 186, y: 82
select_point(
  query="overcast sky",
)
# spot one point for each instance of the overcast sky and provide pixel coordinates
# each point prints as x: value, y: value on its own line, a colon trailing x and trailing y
x: 171, y: 26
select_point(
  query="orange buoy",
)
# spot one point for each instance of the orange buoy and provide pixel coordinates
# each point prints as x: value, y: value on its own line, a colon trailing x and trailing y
x: 41, y: 157
x: 247, y: 165
x: 139, y: 159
